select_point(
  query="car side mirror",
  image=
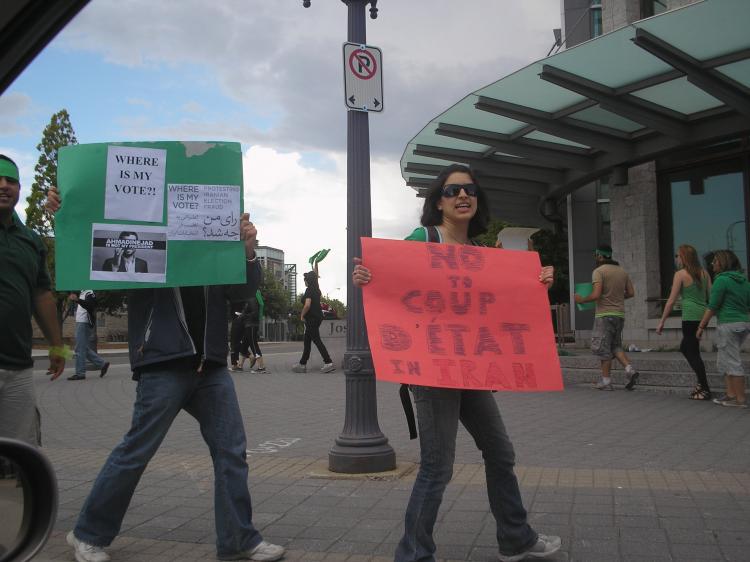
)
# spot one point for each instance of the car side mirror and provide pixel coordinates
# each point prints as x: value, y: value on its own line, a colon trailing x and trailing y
x: 28, y: 500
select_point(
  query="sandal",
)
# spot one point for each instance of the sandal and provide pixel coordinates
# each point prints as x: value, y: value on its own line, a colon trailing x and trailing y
x: 700, y: 394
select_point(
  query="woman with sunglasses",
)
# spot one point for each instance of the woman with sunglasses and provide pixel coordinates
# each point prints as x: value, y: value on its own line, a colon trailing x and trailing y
x: 730, y: 302
x: 455, y: 211
x: 692, y: 283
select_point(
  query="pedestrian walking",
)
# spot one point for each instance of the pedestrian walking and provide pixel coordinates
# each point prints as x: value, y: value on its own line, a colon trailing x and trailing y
x: 730, y: 302
x: 456, y: 210
x: 85, y: 330
x: 180, y: 366
x: 25, y: 291
x: 692, y: 284
x: 312, y: 316
x: 611, y: 286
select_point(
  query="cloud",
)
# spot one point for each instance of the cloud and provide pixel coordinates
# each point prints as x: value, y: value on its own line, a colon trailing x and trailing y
x: 14, y: 106
x: 192, y: 107
x: 301, y: 210
x: 279, y: 58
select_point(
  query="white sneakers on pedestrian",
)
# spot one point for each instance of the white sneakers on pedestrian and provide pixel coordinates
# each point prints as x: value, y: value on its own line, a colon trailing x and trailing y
x: 299, y: 368
x: 265, y: 551
x: 546, y: 545
x: 328, y: 368
x: 85, y: 552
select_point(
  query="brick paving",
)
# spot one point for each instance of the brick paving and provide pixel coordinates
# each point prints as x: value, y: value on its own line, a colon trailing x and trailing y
x: 620, y: 476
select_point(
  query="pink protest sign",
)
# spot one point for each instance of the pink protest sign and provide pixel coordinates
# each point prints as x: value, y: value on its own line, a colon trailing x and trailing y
x: 459, y: 317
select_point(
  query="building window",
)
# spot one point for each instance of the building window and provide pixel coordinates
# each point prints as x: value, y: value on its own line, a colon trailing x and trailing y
x: 603, y: 225
x: 706, y: 208
x: 652, y: 7
x: 596, y: 18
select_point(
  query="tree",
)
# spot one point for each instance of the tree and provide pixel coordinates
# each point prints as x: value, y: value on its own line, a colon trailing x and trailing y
x: 336, y: 305
x: 58, y: 133
x: 275, y: 296
x: 553, y: 250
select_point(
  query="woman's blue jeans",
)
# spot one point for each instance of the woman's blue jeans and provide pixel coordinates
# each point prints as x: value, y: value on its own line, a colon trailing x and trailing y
x: 161, y: 394
x: 438, y: 413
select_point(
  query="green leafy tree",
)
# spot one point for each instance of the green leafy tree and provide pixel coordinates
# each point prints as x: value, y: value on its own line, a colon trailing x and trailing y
x: 553, y: 250
x: 275, y: 296
x: 58, y: 133
x: 336, y: 305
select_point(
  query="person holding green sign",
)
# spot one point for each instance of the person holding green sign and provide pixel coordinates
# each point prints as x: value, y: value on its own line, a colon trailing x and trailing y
x: 25, y: 290
x: 611, y: 286
x: 178, y: 352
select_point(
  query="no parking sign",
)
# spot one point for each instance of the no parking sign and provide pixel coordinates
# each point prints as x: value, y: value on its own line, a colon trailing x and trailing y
x: 363, y: 77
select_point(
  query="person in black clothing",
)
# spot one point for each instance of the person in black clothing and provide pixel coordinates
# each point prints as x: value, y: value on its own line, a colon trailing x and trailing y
x: 312, y: 316
x: 178, y: 348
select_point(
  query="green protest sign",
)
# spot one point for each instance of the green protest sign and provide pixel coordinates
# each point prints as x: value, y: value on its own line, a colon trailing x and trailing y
x: 156, y: 214
x: 585, y: 289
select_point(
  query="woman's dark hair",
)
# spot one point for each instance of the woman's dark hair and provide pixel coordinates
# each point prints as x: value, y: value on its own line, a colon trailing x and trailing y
x: 311, y: 279
x: 708, y: 263
x: 432, y: 216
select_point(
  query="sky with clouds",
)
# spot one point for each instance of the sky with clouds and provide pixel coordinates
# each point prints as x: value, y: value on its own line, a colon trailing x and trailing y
x: 268, y: 74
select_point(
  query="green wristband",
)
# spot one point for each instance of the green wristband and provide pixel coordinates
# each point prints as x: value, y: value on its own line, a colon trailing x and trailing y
x: 60, y: 351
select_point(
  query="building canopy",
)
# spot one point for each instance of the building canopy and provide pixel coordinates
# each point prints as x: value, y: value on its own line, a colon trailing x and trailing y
x: 677, y: 80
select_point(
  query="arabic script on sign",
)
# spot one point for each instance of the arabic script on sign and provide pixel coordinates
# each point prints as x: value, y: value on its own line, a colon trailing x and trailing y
x: 203, y: 212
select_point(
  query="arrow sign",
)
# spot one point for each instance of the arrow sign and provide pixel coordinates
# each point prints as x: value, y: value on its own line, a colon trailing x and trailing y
x: 363, y: 77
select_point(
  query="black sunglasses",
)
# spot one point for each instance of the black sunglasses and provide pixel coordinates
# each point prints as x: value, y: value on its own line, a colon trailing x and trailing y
x: 453, y: 189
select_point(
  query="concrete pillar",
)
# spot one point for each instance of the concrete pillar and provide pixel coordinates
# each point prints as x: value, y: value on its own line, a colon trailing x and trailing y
x: 635, y: 244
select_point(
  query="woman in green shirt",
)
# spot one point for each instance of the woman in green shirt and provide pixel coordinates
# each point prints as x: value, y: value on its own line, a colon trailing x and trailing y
x: 730, y: 301
x: 455, y: 211
x: 692, y: 283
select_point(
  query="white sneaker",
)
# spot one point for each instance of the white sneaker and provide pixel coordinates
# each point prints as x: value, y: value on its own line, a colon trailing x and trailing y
x: 85, y: 552
x: 546, y: 545
x: 264, y: 551
x: 328, y: 368
x: 299, y: 368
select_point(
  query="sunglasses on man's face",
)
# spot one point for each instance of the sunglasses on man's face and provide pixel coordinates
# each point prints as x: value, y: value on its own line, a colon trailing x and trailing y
x: 453, y: 189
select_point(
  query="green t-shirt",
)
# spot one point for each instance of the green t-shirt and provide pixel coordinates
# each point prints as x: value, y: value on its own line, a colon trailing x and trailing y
x: 693, y: 301
x: 420, y: 234
x: 23, y: 263
x: 730, y: 297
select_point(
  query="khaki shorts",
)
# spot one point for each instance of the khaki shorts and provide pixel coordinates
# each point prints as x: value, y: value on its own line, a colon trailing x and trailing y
x: 606, y: 337
x: 19, y: 417
x: 729, y: 339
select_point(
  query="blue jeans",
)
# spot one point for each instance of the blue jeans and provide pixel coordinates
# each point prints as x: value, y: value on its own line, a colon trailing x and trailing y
x: 83, y: 351
x: 161, y: 394
x: 438, y: 413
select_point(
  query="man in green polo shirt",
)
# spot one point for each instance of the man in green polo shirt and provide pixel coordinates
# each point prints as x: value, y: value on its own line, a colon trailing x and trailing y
x: 611, y: 286
x: 24, y: 290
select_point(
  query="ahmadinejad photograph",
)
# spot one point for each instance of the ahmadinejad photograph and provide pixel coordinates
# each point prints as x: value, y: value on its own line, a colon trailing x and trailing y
x: 127, y: 252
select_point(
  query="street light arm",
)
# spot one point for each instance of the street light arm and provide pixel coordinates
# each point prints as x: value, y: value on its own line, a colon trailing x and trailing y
x: 373, y: 7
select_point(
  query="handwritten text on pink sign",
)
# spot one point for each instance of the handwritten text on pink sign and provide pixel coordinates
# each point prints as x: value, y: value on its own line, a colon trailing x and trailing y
x: 459, y: 317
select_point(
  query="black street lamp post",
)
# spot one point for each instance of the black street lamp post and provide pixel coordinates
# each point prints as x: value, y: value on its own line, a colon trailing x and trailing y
x: 361, y: 446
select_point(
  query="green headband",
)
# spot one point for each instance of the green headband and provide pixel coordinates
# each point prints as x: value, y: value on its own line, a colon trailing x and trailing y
x: 8, y: 169
x: 603, y: 253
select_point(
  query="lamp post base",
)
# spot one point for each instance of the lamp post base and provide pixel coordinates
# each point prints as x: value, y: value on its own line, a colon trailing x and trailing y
x: 361, y: 446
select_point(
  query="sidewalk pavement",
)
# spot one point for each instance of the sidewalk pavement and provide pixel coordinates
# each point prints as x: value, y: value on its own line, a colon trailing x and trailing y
x: 620, y: 476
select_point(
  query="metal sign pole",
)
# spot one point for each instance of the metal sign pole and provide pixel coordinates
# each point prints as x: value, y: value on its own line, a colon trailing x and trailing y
x: 361, y: 446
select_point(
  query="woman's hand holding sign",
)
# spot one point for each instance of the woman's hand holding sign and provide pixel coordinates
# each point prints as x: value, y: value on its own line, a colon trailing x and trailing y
x: 547, y: 276
x: 361, y: 275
